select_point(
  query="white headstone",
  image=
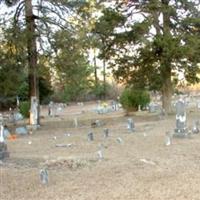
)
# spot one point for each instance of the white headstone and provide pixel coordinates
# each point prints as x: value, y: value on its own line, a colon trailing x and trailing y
x: 2, y: 140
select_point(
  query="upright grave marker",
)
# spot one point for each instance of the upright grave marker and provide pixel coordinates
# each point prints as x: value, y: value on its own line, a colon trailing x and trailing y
x: 90, y: 136
x: 105, y: 132
x: 181, y: 128
x: 130, y: 125
x: 3, y: 146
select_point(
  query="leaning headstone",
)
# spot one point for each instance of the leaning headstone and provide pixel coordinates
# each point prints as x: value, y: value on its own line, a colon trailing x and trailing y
x: 21, y: 131
x: 3, y: 146
x: 105, y: 132
x: 44, y: 177
x: 131, y: 125
x: 119, y: 140
x: 181, y: 129
x: 100, y: 154
x: 90, y: 136
x: 75, y: 122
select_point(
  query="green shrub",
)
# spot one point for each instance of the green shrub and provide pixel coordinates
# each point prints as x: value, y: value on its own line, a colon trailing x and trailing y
x: 132, y: 98
x: 24, y: 108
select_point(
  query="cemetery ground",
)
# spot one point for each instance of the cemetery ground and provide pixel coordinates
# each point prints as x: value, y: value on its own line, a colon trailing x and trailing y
x: 138, y: 166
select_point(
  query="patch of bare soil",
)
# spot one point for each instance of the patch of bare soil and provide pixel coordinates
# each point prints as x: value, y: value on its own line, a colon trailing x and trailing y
x: 140, y: 167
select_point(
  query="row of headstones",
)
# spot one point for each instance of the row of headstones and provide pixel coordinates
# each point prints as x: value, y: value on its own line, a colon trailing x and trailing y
x: 103, y: 108
x: 130, y: 127
x: 55, y: 108
x: 181, y: 121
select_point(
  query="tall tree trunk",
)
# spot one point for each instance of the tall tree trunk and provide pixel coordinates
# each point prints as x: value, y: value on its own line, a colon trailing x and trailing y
x: 167, y: 88
x: 95, y: 68
x: 32, y: 61
x: 104, y: 78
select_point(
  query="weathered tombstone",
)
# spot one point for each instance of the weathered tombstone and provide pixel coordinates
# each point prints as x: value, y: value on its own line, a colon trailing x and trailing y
x: 114, y: 105
x: 3, y: 146
x: 181, y: 129
x: 168, y: 139
x: 44, y: 177
x: 195, y: 128
x: 131, y: 125
x: 75, y: 122
x: 6, y: 132
x: 152, y: 108
x: 51, y: 109
x: 105, y: 132
x: 119, y: 140
x: 2, y: 140
x: 100, y: 154
x: 139, y: 108
x: 90, y: 136
x: 21, y: 131
x: 18, y: 116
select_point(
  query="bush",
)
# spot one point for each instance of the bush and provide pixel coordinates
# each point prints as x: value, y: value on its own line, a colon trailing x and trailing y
x: 132, y: 98
x: 24, y: 108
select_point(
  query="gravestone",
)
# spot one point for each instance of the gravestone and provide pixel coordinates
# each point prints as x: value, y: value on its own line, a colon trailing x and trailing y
x: 44, y: 177
x: 3, y: 146
x: 90, y: 136
x: 119, y: 140
x: 51, y: 109
x: 105, y: 132
x: 195, y: 128
x: 130, y: 125
x: 168, y: 139
x: 21, y: 130
x: 100, y: 154
x: 114, y: 105
x: 75, y: 122
x: 181, y: 128
x: 18, y: 116
x: 152, y: 108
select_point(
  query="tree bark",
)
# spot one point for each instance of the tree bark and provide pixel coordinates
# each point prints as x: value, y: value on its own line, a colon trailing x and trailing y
x: 104, y: 78
x: 32, y: 61
x: 167, y: 88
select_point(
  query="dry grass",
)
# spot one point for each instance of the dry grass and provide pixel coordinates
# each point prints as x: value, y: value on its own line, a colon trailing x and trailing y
x: 75, y: 173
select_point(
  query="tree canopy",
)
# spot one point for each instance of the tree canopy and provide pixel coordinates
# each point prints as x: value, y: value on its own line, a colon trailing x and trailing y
x: 147, y: 44
x: 158, y: 40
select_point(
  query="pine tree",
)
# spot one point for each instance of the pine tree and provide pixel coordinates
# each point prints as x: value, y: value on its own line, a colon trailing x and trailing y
x: 159, y: 39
